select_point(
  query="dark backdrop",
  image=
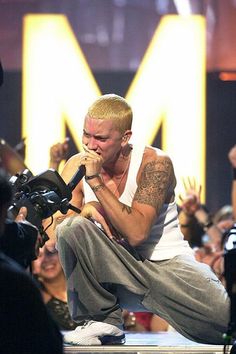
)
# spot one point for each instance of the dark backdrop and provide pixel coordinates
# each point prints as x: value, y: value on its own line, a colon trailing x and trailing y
x: 221, y: 124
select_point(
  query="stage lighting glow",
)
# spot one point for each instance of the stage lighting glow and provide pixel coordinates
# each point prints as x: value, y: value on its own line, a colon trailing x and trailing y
x: 183, y: 7
x: 169, y: 89
x: 58, y: 86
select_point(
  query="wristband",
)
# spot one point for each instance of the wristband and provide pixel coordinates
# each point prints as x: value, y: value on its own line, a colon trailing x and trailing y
x: 234, y: 173
x: 87, y: 178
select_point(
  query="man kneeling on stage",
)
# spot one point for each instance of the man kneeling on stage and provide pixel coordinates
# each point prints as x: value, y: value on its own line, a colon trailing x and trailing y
x: 125, y: 249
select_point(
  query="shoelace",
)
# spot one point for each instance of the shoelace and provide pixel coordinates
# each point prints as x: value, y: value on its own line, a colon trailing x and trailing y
x: 86, y: 324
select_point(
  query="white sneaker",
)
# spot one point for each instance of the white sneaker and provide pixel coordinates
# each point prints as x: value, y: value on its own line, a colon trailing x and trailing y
x: 95, y: 333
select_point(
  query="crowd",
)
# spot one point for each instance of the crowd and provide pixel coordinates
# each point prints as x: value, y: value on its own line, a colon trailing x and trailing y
x: 58, y: 277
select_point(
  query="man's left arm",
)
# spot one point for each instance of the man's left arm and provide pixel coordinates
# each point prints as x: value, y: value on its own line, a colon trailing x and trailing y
x: 155, y: 187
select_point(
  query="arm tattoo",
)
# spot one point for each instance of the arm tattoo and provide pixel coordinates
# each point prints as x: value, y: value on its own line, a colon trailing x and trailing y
x: 155, y: 181
x: 126, y: 208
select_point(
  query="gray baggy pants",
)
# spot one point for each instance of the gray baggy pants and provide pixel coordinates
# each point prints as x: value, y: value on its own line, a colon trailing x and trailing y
x: 103, y: 278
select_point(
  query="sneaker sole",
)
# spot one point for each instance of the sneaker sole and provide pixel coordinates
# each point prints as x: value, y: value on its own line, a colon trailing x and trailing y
x: 112, y: 340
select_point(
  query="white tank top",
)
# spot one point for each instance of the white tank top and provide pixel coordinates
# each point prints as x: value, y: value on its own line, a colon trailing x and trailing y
x: 165, y: 240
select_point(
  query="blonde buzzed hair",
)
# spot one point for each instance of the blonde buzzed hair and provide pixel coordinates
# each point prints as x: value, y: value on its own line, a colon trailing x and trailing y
x: 115, y: 108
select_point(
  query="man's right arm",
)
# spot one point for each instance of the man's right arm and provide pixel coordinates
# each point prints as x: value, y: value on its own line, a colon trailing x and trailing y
x: 68, y: 172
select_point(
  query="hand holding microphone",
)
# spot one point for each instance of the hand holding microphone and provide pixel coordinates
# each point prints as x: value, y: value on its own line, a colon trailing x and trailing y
x: 92, y: 161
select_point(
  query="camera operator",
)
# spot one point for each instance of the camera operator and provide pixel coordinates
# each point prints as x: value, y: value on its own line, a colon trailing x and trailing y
x: 20, y: 239
x: 26, y: 326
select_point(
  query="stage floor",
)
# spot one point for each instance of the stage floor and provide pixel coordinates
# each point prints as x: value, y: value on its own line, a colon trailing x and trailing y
x: 138, y: 343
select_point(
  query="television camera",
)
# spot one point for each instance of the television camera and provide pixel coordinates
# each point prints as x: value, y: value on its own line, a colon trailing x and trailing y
x: 42, y: 195
x: 230, y: 280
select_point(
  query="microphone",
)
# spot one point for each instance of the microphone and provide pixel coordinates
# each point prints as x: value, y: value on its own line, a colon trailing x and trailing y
x: 79, y: 174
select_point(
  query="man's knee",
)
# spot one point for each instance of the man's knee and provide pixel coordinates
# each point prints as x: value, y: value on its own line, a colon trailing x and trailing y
x: 71, y: 226
x: 78, y: 228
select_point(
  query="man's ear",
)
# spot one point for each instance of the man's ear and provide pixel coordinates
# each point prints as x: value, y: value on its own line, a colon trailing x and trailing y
x: 126, y: 136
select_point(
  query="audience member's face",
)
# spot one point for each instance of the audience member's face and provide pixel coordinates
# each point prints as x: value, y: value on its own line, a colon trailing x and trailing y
x: 47, y: 266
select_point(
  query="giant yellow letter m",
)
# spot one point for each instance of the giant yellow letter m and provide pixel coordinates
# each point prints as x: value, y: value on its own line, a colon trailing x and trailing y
x: 168, y: 90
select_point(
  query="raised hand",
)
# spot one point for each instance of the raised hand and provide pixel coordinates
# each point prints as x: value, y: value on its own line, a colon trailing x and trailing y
x: 58, y: 152
x: 92, y: 161
x: 191, y: 200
